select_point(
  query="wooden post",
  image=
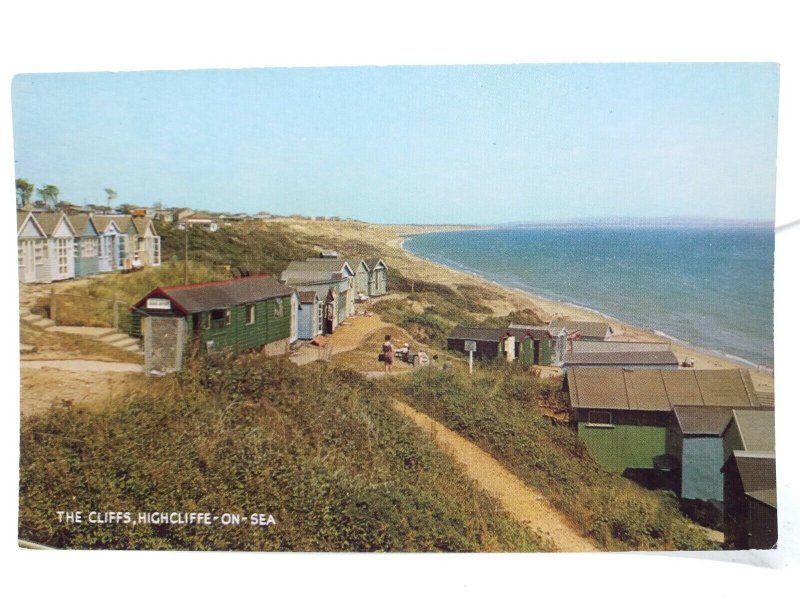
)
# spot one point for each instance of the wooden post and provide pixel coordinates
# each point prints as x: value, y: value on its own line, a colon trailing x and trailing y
x: 186, y: 255
x: 412, y: 286
x: 470, y: 362
x: 116, y: 313
x: 53, y: 305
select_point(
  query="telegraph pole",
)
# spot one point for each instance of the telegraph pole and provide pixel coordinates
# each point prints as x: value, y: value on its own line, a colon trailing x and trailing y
x: 186, y: 255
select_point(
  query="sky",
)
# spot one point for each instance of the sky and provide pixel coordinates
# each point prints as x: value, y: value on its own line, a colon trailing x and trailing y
x: 451, y: 144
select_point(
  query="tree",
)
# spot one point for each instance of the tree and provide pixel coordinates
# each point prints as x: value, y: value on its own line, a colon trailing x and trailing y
x: 48, y: 194
x: 24, y: 192
x: 110, y: 195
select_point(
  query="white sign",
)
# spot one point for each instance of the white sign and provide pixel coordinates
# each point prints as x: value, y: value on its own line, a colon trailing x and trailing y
x: 470, y: 346
x: 158, y: 303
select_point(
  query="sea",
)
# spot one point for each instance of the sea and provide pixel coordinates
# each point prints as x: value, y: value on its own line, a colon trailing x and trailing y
x: 710, y: 287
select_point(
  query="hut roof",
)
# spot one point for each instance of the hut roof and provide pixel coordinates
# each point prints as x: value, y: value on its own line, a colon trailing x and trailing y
x: 703, y: 420
x: 315, y: 270
x: 308, y: 297
x: 79, y: 223
x: 756, y: 429
x: 533, y: 331
x: 757, y: 472
x: 221, y: 294
x: 633, y: 357
x: 615, y: 346
x: 479, y: 334
x: 587, y: 328
x: 49, y: 221
x: 658, y: 389
x: 372, y: 263
x: 101, y: 223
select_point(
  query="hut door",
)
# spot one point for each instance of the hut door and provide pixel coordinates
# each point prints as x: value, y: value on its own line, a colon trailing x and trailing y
x: 30, y: 261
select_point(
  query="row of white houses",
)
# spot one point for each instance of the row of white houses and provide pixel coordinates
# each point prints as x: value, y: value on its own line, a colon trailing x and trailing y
x: 53, y: 246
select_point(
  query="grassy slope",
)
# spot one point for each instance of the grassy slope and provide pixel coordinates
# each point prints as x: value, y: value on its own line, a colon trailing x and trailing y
x: 314, y: 446
x: 496, y: 409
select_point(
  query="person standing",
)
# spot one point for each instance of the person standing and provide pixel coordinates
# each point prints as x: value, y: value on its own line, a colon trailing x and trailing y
x: 388, y: 354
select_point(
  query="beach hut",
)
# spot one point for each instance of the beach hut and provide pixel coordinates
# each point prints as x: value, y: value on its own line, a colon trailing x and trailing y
x: 587, y: 330
x: 360, y: 276
x: 605, y: 353
x: 534, y: 345
x: 146, y: 243
x: 622, y: 415
x: 237, y: 314
x: 309, y: 315
x: 87, y: 245
x: 111, y: 243
x: 324, y: 276
x: 489, y: 342
x: 59, y: 259
x: 378, y: 276
x: 695, y: 440
x: 31, y: 249
x: 750, y: 491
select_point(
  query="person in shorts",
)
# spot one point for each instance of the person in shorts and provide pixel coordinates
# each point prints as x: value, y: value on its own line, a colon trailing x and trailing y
x: 388, y: 354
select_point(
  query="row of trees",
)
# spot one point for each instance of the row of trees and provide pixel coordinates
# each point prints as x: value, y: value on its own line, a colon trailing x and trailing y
x: 48, y: 195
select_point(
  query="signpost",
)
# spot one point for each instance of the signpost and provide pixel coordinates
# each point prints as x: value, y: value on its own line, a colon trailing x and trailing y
x: 470, y: 346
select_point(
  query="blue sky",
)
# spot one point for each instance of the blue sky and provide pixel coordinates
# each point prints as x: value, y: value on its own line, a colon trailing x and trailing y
x: 461, y: 144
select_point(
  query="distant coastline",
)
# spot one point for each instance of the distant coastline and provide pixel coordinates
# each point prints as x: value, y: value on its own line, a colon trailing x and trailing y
x: 539, y: 298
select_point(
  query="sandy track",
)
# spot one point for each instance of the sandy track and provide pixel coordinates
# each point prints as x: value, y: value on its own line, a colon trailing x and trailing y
x: 524, y: 503
x: 83, y: 366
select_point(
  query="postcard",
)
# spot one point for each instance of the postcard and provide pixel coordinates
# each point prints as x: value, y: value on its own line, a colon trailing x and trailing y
x: 477, y: 308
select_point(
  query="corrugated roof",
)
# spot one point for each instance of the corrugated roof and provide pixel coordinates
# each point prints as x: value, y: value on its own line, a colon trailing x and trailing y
x: 223, y: 294
x: 479, y: 334
x: 756, y: 429
x: 587, y: 328
x: 766, y: 398
x: 658, y: 389
x: 615, y: 346
x: 663, y: 357
x: 757, y: 472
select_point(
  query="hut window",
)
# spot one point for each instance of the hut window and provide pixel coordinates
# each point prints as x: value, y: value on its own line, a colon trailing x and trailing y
x: 279, y: 307
x: 600, y: 417
x: 250, y: 314
x: 220, y: 317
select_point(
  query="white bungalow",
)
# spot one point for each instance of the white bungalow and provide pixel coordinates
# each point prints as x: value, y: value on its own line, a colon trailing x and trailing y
x: 111, y: 243
x: 141, y: 244
x: 59, y: 261
x: 31, y: 248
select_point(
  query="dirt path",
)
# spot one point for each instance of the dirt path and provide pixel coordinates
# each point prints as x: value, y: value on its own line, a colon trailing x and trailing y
x: 83, y: 366
x: 524, y: 503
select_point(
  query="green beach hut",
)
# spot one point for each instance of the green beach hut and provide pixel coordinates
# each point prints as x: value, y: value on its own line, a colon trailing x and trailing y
x: 623, y: 415
x: 237, y: 314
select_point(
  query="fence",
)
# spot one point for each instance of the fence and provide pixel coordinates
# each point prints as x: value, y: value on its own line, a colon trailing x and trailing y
x: 67, y: 308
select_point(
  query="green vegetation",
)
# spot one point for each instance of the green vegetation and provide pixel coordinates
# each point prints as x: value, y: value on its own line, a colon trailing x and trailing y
x: 316, y: 447
x: 246, y: 249
x: 497, y: 409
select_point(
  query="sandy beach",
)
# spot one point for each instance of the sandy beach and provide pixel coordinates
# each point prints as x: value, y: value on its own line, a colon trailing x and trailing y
x: 390, y: 238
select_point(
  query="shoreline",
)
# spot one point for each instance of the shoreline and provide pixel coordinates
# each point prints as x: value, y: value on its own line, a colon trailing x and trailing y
x: 763, y: 376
